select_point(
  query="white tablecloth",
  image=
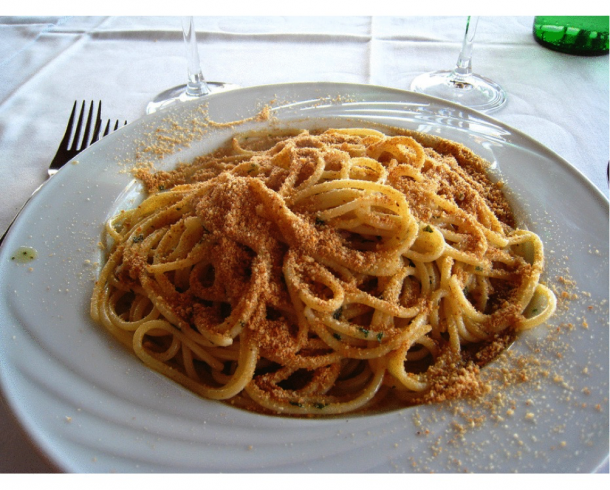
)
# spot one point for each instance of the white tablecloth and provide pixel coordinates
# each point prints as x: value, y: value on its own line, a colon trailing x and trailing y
x: 48, y: 63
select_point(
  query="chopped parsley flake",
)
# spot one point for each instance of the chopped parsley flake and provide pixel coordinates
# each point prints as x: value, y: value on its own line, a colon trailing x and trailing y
x: 337, y: 313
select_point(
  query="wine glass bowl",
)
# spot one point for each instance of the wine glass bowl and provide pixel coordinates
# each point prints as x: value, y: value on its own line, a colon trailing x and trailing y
x: 461, y: 85
x: 474, y: 91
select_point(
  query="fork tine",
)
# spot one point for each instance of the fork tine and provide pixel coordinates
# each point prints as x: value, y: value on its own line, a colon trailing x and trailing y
x: 89, y: 126
x: 87, y: 134
x: 79, y: 125
x: 69, y: 127
x: 107, y: 129
x: 64, y: 146
x: 97, y: 131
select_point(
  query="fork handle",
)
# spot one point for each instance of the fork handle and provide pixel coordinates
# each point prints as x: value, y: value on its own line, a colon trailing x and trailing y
x: 19, y: 212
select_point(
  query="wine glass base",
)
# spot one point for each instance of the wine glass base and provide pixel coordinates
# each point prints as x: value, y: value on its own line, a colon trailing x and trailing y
x: 471, y: 91
x: 178, y: 94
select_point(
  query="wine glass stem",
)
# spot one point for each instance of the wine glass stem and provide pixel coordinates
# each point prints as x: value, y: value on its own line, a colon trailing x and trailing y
x: 196, y: 85
x: 463, y: 67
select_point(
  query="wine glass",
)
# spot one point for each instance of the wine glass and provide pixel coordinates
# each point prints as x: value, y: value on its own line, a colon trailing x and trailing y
x: 461, y: 85
x: 197, y: 86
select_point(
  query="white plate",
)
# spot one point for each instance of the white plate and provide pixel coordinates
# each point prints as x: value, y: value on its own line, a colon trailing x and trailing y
x: 93, y: 407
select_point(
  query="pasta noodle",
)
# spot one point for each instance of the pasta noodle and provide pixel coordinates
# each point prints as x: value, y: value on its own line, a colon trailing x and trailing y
x: 319, y: 273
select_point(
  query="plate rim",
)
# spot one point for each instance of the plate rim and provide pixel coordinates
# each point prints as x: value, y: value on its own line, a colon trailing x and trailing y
x: 603, y: 200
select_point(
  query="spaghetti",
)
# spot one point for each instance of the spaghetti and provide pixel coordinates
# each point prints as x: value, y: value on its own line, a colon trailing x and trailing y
x: 319, y: 273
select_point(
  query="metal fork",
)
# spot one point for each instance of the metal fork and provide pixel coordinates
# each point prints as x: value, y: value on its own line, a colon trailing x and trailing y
x: 74, y: 142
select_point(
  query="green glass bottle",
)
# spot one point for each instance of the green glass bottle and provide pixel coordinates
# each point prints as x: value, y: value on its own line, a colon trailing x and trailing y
x: 580, y: 35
